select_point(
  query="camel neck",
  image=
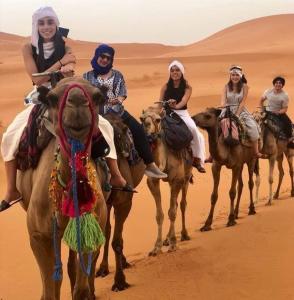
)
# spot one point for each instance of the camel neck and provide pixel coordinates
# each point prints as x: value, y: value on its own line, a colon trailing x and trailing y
x: 212, y: 140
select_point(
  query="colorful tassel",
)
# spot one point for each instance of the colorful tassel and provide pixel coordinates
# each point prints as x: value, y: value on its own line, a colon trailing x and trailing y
x: 91, y: 234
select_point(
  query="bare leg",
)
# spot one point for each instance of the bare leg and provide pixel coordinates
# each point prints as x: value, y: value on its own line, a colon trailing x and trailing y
x: 216, y: 168
x: 10, y: 170
x: 281, y: 175
x: 116, y: 177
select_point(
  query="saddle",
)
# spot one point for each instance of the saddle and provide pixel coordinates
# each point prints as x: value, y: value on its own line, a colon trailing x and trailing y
x: 273, y: 123
x: 233, y: 130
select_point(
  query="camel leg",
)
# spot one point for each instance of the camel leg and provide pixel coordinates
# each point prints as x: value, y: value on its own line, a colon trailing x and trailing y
x: 290, y: 162
x: 121, y: 212
x: 232, y: 193
x: 240, y: 189
x: 257, y: 181
x: 82, y: 287
x: 184, y: 233
x: 71, y: 269
x: 251, y: 167
x: 104, y: 268
x: 92, y: 276
x: 154, y: 188
x: 42, y: 247
x: 281, y: 175
x: 216, y: 168
x: 175, y: 187
x: 272, y: 160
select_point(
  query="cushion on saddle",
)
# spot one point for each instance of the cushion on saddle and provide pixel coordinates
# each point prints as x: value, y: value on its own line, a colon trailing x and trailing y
x: 30, y: 148
x: 274, y: 124
x: 176, y: 133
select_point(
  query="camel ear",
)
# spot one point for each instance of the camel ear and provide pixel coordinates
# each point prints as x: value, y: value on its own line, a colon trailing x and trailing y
x: 218, y: 112
x: 98, y: 97
x: 158, y: 120
x: 43, y: 92
x: 52, y: 99
x: 142, y: 119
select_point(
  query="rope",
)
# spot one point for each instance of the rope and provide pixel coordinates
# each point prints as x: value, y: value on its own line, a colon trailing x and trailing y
x: 57, y: 275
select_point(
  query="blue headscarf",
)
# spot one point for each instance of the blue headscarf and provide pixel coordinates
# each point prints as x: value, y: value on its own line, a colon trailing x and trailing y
x: 99, y: 70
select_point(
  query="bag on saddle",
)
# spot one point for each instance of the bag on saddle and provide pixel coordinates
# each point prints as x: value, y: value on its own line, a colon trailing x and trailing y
x: 175, y: 132
x: 230, y: 132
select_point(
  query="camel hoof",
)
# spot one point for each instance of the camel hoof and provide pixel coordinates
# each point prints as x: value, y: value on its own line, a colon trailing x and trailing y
x: 251, y: 211
x: 269, y: 203
x: 155, y: 252
x: 165, y: 242
x: 205, y: 228
x: 292, y: 193
x: 276, y: 196
x: 231, y: 223
x: 102, y: 272
x: 172, y: 248
x: 120, y: 286
x: 185, y: 237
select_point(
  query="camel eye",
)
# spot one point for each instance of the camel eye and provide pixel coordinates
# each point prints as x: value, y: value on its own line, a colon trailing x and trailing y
x: 207, y: 116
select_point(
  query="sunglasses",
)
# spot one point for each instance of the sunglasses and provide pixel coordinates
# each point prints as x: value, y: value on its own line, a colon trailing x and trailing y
x: 104, y: 56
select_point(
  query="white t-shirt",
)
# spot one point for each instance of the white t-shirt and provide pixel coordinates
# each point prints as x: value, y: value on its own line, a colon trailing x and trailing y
x: 276, y: 101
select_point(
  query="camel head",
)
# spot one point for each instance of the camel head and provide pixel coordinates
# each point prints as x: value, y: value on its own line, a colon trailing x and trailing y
x: 207, y: 119
x: 151, y: 120
x: 76, y: 116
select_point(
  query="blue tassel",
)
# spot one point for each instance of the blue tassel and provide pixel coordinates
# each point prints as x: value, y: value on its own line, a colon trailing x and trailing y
x: 57, y: 275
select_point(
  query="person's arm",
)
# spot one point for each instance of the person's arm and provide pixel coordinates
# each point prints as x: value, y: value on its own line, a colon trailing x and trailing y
x: 285, y: 103
x: 122, y: 91
x: 185, y: 98
x: 67, y: 61
x: 224, y: 96
x: 242, y: 103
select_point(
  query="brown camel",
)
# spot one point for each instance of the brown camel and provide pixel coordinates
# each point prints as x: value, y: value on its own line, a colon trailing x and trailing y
x: 121, y: 203
x: 178, y: 166
x: 33, y: 185
x: 233, y: 158
x: 275, y: 149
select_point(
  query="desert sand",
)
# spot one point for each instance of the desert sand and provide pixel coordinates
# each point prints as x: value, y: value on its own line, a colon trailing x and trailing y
x: 253, y: 260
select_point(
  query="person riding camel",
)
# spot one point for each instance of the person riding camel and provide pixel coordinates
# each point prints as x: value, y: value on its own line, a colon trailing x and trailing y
x: 277, y: 103
x: 104, y: 76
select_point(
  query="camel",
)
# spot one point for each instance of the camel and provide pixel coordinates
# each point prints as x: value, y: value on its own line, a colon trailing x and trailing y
x: 275, y: 148
x: 178, y: 166
x: 233, y: 158
x: 33, y: 185
x: 121, y: 203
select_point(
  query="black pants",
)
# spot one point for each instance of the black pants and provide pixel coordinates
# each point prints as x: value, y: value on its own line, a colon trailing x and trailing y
x: 140, y: 139
x: 287, y: 124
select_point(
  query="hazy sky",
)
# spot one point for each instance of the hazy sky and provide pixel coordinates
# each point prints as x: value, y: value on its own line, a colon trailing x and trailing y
x: 173, y: 22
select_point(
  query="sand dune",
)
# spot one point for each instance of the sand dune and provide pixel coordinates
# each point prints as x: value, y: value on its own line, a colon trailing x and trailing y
x: 254, y: 260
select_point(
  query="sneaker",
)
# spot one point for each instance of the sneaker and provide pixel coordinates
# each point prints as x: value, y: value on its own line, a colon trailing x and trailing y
x: 153, y: 171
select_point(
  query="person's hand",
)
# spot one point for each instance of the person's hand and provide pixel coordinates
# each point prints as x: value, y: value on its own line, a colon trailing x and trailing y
x: 67, y: 59
x: 114, y: 101
x: 67, y: 71
x: 172, y: 103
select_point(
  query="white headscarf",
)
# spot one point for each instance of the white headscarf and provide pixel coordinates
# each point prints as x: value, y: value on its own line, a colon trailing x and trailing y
x: 177, y: 64
x: 42, y: 12
x: 236, y: 70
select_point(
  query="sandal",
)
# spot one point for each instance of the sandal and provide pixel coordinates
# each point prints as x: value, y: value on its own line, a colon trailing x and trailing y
x: 5, y: 205
x: 198, y: 167
x: 127, y: 188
